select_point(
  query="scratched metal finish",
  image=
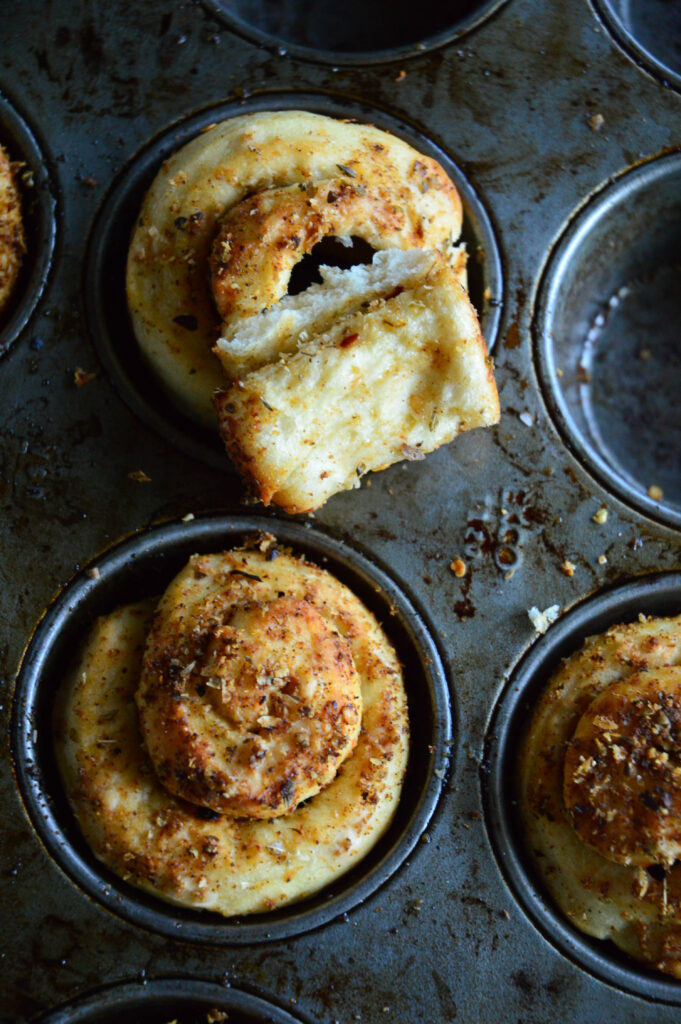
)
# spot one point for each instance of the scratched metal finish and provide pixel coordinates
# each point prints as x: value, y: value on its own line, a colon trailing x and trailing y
x: 515, y: 104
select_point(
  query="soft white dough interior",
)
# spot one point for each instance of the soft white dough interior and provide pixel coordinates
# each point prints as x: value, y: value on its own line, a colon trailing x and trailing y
x: 295, y: 319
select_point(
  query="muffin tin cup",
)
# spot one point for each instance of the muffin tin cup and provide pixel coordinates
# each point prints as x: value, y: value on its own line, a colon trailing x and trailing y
x: 38, y: 207
x: 158, y: 1001
x: 141, y: 567
x: 605, y: 336
x: 314, y: 31
x: 657, y: 595
x: 104, y: 281
x: 649, y: 31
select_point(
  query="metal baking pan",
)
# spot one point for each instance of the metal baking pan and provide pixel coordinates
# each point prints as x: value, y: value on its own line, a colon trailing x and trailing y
x: 560, y: 125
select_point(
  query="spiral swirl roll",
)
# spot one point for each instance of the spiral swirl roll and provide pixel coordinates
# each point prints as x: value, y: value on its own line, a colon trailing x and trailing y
x: 240, y: 743
x: 230, y: 214
x: 600, y: 786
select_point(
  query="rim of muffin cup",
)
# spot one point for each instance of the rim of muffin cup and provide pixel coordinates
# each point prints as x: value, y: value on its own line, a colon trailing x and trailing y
x: 142, y: 566
x: 158, y: 1000
x: 452, y: 29
x: 625, y: 199
x: 38, y: 208
x: 106, y: 309
x: 611, y: 14
x: 656, y: 594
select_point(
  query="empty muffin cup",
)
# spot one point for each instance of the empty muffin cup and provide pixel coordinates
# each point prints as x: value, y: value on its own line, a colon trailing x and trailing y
x: 606, y: 336
x: 357, y: 32
x: 38, y: 218
x: 183, y: 1000
x: 650, y: 31
x: 141, y: 568
x: 652, y: 596
x: 104, y: 287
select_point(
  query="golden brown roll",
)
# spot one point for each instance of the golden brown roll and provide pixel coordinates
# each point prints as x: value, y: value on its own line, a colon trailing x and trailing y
x: 376, y: 364
x: 246, y: 779
x: 12, y: 243
x: 390, y: 382
x: 600, y: 786
x: 247, y: 198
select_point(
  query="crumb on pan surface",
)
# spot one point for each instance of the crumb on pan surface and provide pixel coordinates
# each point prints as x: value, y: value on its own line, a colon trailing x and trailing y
x: 235, y: 861
x: 12, y: 243
x: 600, y: 789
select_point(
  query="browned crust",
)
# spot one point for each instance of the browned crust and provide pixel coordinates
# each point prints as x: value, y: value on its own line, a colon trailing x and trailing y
x: 12, y: 242
x: 268, y: 705
x: 253, y: 473
x: 262, y: 238
x: 622, y: 770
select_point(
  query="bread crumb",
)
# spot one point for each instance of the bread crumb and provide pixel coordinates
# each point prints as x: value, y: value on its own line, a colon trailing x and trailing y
x: 542, y: 620
x: 596, y: 122
x: 602, y: 560
x: 402, y: 75
x: 458, y: 567
x: 655, y: 492
x: 93, y: 573
x: 601, y: 516
x: 139, y: 476
x: 568, y: 568
x: 82, y: 377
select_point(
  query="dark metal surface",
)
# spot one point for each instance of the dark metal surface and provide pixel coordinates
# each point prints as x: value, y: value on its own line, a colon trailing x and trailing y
x: 607, y: 335
x: 538, y: 107
x: 182, y: 1000
x: 356, y: 32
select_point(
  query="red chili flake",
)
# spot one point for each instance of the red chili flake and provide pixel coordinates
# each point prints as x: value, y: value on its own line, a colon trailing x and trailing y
x: 347, y: 341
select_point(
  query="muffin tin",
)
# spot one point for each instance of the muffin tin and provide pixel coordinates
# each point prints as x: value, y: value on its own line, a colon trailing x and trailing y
x: 559, y: 123
x: 38, y: 213
x: 142, y: 567
x: 162, y: 1000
